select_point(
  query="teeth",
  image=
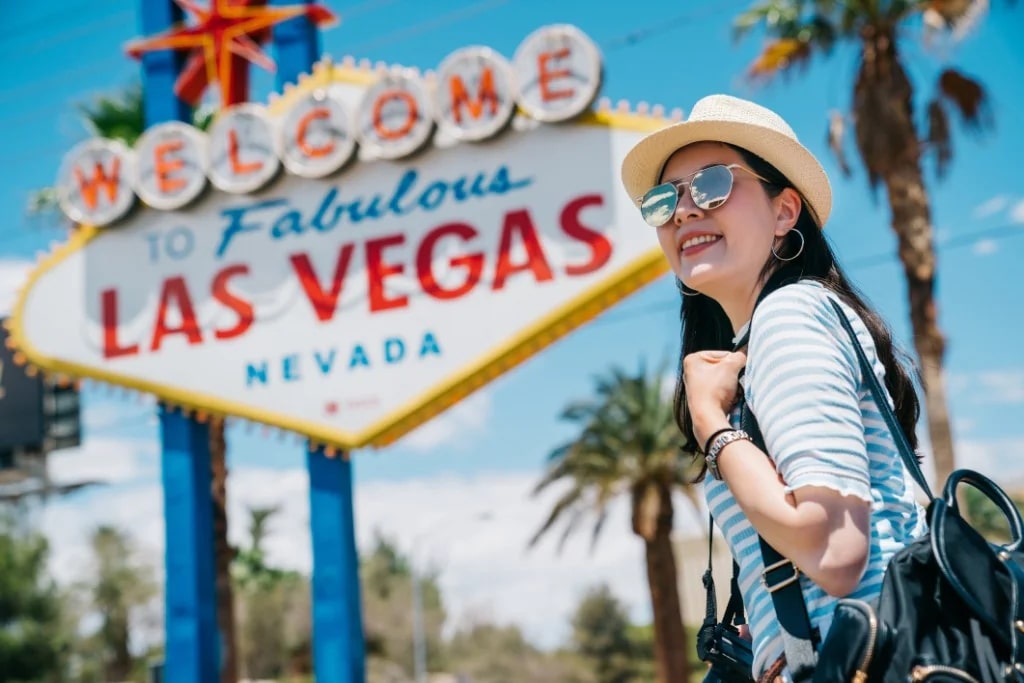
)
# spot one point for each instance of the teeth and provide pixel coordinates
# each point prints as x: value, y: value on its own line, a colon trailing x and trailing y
x: 700, y: 239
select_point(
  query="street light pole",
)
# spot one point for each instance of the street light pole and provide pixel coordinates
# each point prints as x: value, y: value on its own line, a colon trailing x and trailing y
x: 419, y: 640
x: 419, y: 636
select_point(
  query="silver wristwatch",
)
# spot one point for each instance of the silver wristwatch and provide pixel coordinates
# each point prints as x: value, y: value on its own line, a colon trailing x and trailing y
x: 717, y: 445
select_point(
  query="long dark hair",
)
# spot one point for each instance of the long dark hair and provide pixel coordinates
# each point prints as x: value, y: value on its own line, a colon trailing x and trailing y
x: 705, y: 326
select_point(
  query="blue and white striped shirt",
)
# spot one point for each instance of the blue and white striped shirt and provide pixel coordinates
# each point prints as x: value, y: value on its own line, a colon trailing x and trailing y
x: 821, y: 428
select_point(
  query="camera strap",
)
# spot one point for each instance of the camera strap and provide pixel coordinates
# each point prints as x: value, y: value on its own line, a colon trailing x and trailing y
x: 734, y: 614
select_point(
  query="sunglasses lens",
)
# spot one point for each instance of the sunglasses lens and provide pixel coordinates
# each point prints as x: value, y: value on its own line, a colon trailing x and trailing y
x: 711, y: 187
x: 659, y: 204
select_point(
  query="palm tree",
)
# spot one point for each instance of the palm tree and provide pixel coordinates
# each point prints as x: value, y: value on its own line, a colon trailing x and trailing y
x: 628, y: 444
x: 122, y: 118
x: 890, y: 140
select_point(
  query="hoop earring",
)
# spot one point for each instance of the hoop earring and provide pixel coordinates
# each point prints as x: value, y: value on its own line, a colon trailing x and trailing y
x: 684, y: 291
x: 798, y: 251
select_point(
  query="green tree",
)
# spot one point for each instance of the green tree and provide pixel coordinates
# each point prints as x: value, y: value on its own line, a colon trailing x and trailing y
x: 387, y: 576
x: 33, y: 643
x: 890, y: 139
x: 601, y: 635
x: 487, y: 653
x: 628, y: 444
x: 985, y: 517
x: 120, y: 587
x: 274, y: 630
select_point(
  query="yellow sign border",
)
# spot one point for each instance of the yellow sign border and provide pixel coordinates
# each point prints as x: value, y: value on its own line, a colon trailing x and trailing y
x: 413, y: 413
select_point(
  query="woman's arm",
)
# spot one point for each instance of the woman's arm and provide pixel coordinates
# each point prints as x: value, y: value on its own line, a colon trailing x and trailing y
x: 811, y: 500
x: 824, y: 533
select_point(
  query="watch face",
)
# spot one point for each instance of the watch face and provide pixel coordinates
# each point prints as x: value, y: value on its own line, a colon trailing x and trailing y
x: 170, y: 165
x: 241, y: 149
x: 317, y: 135
x: 94, y: 183
x: 558, y: 73
x: 473, y: 95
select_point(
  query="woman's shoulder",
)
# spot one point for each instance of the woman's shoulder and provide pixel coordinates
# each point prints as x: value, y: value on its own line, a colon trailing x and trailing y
x: 803, y: 300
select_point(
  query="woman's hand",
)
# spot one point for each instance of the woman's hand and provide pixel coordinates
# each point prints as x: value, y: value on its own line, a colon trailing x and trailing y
x: 711, y: 379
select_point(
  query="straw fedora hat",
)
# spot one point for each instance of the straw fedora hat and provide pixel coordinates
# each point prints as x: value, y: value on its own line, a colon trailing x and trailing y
x: 722, y: 118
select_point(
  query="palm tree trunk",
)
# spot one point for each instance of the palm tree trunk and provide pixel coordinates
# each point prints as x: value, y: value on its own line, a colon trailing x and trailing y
x: 223, y: 553
x: 670, y: 644
x: 887, y: 135
x: 911, y: 221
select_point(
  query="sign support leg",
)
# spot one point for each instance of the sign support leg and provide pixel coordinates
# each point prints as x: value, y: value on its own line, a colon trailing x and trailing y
x: 339, y: 649
x: 192, y: 654
x: 338, y: 643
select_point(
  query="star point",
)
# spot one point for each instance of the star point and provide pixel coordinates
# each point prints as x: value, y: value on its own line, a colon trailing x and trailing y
x: 222, y: 40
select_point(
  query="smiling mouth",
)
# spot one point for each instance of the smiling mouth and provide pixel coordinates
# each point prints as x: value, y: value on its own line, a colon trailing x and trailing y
x: 698, y: 241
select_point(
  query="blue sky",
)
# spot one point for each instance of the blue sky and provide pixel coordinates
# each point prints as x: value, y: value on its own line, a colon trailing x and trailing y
x: 63, y: 53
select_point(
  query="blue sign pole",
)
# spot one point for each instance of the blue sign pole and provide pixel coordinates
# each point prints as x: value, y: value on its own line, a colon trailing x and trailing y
x: 191, y: 650
x: 339, y: 649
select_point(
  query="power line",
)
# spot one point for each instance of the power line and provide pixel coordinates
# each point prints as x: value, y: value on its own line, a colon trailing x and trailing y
x: 668, y: 25
x: 957, y: 242
x: 56, y: 38
x: 44, y: 20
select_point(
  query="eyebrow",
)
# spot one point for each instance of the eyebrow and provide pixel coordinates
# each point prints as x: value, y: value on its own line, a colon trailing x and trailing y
x: 702, y: 168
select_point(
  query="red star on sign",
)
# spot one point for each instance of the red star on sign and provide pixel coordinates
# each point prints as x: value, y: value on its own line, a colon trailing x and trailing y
x: 223, y: 38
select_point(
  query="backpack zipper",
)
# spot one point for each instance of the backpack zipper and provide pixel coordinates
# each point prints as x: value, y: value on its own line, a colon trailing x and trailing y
x: 861, y: 674
x: 921, y: 672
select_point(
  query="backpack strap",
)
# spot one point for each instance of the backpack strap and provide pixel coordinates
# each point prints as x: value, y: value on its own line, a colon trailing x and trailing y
x: 781, y: 579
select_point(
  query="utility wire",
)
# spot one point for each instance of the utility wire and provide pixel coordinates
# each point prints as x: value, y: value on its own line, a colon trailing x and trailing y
x: 957, y: 242
x: 630, y: 39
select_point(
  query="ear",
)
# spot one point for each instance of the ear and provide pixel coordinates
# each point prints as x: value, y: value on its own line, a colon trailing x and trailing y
x: 787, y: 210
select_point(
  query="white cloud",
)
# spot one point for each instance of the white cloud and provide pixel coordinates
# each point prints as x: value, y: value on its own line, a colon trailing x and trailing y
x: 68, y: 522
x: 1017, y: 212
x: 12, y: 277
x: 985, y: 247
x: 991, y: 206
x: 995, y: 458
x: 105, y: 459
x: 474, y: 530
x: 468, y: 416
x: 1005, y: 386
x: 1002, y: 386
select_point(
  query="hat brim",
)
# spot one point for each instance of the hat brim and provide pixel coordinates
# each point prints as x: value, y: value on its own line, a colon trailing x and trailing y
x: 643, y: 164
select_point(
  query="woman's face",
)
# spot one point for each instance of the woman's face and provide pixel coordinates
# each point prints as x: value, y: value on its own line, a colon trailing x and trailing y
x: 720, y: 252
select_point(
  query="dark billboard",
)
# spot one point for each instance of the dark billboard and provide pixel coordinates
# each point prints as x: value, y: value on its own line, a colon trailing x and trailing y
x: 35, y: 413
x: 21, y: 402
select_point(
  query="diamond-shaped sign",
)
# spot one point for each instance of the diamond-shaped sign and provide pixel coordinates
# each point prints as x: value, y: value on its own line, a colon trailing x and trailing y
x: 354, y: 307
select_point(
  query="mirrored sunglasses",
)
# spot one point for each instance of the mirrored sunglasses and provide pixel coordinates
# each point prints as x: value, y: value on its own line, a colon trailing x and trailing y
x: 709, y: 189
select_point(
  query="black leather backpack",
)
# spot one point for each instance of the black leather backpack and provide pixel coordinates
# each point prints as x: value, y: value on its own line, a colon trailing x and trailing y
x: 951, y: 607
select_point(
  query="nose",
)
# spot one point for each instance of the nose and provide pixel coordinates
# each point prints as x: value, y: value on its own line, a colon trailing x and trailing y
x: 686, y: 210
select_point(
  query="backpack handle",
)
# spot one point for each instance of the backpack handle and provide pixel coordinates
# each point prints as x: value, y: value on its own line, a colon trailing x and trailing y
x: 993, y: 493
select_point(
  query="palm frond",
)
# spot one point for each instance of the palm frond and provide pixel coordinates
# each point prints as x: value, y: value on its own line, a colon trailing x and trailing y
x: 627, y: 437
x: 779, y: 56
x: 576, y: 516
x: 939, y: 141
x: 567, y: 501
x: 120, y: 117
x: 956, y: 17
x: 968, y: 97
x: 42, y: 201
x: 837, y: 139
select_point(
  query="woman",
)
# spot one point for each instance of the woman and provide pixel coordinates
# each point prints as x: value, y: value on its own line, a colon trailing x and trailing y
x: 739, y: 206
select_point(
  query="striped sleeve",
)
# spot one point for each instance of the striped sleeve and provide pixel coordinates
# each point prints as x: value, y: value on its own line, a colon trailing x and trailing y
x: 802, y: 383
